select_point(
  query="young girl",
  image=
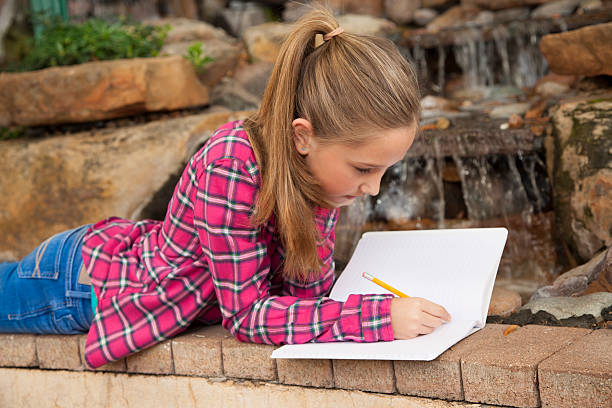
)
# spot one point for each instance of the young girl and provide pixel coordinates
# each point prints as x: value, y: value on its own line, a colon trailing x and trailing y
x: 249, y: 232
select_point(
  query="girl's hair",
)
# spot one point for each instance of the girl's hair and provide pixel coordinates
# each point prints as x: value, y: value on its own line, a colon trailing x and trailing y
x: 344, y: 87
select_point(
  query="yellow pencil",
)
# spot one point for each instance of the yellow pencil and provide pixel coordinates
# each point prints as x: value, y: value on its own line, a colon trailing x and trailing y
x: 384, y: 285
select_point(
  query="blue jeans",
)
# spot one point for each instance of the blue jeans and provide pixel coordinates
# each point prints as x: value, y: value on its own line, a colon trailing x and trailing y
x: 41, y: 293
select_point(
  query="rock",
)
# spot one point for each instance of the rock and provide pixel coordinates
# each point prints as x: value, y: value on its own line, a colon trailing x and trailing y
x: 504, y: 302
x: 263, y: 42
x: 99, y: 90
x: 566, y: 307
x: 512, y: 14
x: 371, y: 7
x: 554, y: 9
x: 232, y: 95
x: 590, y: 5
x: 577, y: 280
x: 554, y: 85
x: 210, y: 10
x: 515, y: 121
x: 401, y: 11
x: 294, y: 11
x: 506, y: 111
x: 454, y: 17
x: 65, y: 181
x: 582, y: 176
x: 136, y: 10
x: 424, y: 16
x: 184, y: 30
x: 585, y: 51
x: 7, y: 13
x: 434, y: 3
x: 183, y: 8
x: 240, y: 16
x: 436, y: 103
x: 502, y: 4
x: 254, y: 77
x: 485, y: 17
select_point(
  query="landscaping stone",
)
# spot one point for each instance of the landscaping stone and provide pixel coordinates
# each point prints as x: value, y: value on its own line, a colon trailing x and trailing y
x: 198, y: 352
x: 18, y: 350
x: 453, y: 17
x: 582, y: 175
x: 505, y: 372
x: 556, y: 8
x: 565, y: 307
x: 62, y: 182
x: 370, y: 7
x: 247, y: 360
x: 424, y: 16
x: 154, y: 360
x: 504, y: 302
x: 580, y: 375
x: 118, y: 366
x: 441, y: 378
x: 506, y: 111
x: 58, y: 351
x: 306, y: 372
x: 263, y: 42
x: 576, y: 281
x: 400, y: 11
x: 585, y: 51
x: 99, y: 90
x: 239, y: 16
x: 503, y: 4
x: 364, y: 375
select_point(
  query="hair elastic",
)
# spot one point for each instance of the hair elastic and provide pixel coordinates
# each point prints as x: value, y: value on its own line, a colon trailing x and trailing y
x: 333, y: 33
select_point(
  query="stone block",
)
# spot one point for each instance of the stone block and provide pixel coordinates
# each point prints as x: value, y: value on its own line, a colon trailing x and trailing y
x: 305, y: 372
x: 154, y: 360
x: 505, y: 372
x: 364, y: 375
x: 18, y: 350
x: 198, y: 352
x: 248, y: 360
x: 59, y: 351
x: 118, y: 366
x: 579, y: 375
x: 441, y: 378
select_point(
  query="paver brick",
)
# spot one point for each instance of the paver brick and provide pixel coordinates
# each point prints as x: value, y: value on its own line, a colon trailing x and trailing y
x: 441, y: 378
x: 58, y: 351
x: 248, y: 360
x: 579, y: 375
x: 154, y: 360
x: 198, y: 352
x: 505, y: 373
x: 118, y: 366
x: 18, y: 350
x: 305, y: 372
x: 364, y: 375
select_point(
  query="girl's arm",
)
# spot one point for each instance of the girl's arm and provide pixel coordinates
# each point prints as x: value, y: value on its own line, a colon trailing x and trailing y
x: 239, y: 264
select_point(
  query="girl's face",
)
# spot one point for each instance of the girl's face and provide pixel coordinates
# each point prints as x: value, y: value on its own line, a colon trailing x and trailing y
x: 347, y: 172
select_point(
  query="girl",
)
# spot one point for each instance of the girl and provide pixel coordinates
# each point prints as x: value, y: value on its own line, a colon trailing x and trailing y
x: 249, y: 232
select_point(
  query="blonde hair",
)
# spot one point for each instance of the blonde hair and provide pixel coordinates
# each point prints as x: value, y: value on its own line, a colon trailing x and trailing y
x: 347, y: 85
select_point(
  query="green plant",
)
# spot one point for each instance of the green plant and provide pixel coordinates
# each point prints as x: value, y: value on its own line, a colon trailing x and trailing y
x: 64, y: 43
x: 195, y: 54
x: 11, y: 133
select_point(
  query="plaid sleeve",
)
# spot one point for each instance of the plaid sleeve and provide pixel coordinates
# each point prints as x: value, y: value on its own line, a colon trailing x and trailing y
x: 240, y: 265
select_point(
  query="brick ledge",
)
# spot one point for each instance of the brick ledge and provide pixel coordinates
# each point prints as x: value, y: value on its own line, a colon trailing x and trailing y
x: 531, y: 367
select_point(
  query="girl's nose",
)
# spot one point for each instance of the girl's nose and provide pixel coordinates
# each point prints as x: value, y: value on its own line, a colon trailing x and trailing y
x: 371, y: 187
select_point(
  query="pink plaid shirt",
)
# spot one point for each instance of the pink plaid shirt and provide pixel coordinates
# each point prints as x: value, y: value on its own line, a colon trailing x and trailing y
x: 206, y: 262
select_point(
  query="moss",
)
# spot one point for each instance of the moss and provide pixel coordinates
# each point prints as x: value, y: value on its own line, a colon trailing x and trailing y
x: 597, y: 149
x: 594, y: 101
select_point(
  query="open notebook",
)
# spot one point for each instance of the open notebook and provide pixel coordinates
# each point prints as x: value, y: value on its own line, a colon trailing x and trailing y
x: 454, y: 268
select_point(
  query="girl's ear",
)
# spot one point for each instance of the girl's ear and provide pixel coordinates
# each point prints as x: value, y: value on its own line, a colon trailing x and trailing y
x: 303, y: 135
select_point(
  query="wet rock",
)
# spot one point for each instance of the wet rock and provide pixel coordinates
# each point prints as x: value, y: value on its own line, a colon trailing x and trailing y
x: 590, y: 5
x: 401, y: 11
x: 263, y: 42
x: 436, y: 103
x: 99, y: 90
x: 232, y: 95
x: 506, y: 111
x: 454, y: 17
x: 504, y: 302
x: 576, y: 281
x: 563, y: 307
x: 583, y: 176
x: 65, y: 181
x: 515, y: 122
x: 556, y: 8
x: 502, y: 4
x: 485, y: 17
x: 424, y: 16
x: 585, y: 51
x: 434, y: 3
x: 554, y: 85
x: 512, y: 14
x: 239, y: 16
x: 254, y: 77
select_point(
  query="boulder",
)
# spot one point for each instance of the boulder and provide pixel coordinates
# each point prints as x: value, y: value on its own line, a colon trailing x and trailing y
x: 503, y: 4
x: 263, y: 42
x: 401, y: 11
x: 99, y: 90
x: 585, y: 51
x: 370, y: 7
x: 577, y: 281
x: 453, y: 17
x: 61, y: 182
x: 568, y: 307
x: 582, y: 176
x: 504, y: 302
x: 553, y: 9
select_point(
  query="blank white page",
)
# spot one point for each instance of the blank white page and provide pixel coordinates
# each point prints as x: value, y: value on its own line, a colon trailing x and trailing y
x: 454, y: 268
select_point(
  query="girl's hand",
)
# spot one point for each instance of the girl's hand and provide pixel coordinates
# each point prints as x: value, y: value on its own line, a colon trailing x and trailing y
x: 413, y: 316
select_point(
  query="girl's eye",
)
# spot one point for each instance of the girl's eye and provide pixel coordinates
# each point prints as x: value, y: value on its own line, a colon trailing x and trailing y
x: 362, y: 171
